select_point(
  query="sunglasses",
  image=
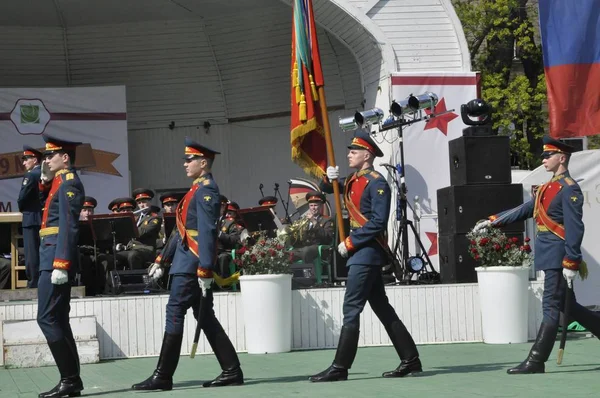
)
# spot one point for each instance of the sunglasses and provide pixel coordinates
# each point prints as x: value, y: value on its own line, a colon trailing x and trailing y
x: 549, y: 155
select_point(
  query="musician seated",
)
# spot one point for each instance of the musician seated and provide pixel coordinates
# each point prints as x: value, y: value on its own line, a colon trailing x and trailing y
x: 229, y: 238
x: 169, y: 201
x: 311, y: 231
x: 140, y: 251
x: 95, y: 266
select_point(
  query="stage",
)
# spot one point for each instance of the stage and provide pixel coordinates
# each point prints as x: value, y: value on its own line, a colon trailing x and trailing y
x: 133, y: 326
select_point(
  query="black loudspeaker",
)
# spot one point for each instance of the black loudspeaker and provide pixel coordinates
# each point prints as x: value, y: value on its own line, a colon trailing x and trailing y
x: 480, y: 160
x: 133, y: 282
x: 456, y: 264
x: 460, y: 207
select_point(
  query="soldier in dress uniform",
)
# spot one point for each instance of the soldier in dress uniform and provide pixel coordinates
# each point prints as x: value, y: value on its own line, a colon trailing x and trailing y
x: 558, y: 212
x: 268, y: 201
x: 59, y: 260
x: 113, y: 206
x: 169, y: 202
x: 228, y: 238
x: 193, y: 261
x: 89, y: 206
x: 318, y: 229
x: 367, y: 197
x: 142, y: 249
x: 30, y: 203
x: 87, y: 264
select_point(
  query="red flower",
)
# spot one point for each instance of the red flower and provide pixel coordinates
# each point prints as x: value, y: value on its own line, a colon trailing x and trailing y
x: 527, y: 248
x: 262, y: 242
x: 527, y: 240
x: 477, y: 257
x: 253, y: 258
x: 474, y: 251
x: 514, y: 239
x: 473, y: 242
x: 271, y: 252
x: 497, y: 247
x: 507, y: 246
x: 483, y: 241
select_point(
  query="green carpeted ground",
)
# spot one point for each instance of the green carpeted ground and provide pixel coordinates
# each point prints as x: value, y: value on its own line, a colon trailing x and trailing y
x: 457, y: 370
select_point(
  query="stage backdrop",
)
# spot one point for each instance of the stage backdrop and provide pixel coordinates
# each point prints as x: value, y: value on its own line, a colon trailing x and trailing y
x: 426, y: 144
x: 95, y: 116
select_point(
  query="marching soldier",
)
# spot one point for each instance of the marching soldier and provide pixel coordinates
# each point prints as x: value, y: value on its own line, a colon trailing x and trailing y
x: 228, y: 238
x: 30, y: 204
x: 141, y: 250
x: 367, y: 197
x: 59, y: 260
x: 193, y: 254
x: 317, y: 231
x: 558, y: 212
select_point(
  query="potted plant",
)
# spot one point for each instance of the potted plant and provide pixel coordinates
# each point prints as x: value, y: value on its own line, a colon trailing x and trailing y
x: 266, y: 285
x: 503, y: 281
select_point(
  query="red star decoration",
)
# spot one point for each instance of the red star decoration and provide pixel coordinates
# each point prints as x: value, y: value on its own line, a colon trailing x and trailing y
x: 440, y: 122
x: 433, y: 249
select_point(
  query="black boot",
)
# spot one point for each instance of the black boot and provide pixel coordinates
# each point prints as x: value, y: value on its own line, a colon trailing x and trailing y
x: 539, y: 352
x: 344, y: 357
x: 219, y: 341
x: 162, y: 378
x: 587, y: 318
x: 70, y: 383
x: 407, y: 351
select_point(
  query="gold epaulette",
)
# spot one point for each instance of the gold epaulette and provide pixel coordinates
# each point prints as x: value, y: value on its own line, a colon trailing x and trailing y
x: 375, y: 174
x: 569, y: 181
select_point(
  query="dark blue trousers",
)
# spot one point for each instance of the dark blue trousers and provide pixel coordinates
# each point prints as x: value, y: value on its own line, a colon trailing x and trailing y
x: 366, y: 284
x: 53, y: 308
x: 31, y: 244
x: 553, y: 301
x: 186, y: 293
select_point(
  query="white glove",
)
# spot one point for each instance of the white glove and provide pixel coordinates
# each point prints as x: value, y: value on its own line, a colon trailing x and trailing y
x: 333, y: 173
x: 164, y: 240
x: 481, y: 225
x: 343, y: 250
x: 59, y: 277
x: 120, y: 247
x: 205, y: 285
x: 46, y: 174
x: 569, y: 275
x: 244, y: 235
x: 156, y: 271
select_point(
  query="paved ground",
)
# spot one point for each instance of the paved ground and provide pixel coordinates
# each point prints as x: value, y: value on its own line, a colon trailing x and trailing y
x: 457, y: 370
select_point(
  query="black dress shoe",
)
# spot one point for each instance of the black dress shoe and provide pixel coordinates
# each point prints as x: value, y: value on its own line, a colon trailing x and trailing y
x: 332, y: 373
x: 527, y: 367
x: 233, y: 377
x: 68, y: 387
x: 155, y: 382
x: 406, y: 367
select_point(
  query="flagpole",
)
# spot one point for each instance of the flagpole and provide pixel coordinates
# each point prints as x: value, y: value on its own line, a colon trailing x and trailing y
x: 331, y: 162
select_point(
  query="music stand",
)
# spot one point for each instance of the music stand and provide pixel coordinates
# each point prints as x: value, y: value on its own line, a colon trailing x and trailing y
x: 169, y: 222
x: 116, y: 227
x: 258, y: 219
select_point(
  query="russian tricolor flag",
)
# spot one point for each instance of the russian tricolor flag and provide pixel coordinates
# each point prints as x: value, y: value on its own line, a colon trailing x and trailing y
x: 570, y: 32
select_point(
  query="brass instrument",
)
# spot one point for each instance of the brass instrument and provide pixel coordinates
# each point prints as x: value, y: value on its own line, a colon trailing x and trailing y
x: 295, y: 233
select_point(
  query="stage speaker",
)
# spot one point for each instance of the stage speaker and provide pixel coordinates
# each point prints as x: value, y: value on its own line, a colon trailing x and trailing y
x: 460, y: 207
x: 133, y: 282
x: 456, y: 264
x: 480, y: 160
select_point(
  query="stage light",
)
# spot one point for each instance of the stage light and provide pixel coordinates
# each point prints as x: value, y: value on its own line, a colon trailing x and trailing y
x: 477, y: 108
x: 415, y: 264
x: 413, y: 104
x: 360, y: 119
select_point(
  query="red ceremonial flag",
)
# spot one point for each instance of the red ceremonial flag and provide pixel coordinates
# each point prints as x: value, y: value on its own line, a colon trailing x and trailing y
x: 307, y: 133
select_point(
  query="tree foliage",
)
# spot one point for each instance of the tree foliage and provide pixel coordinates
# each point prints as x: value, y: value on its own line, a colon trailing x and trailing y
x: 504, y: 45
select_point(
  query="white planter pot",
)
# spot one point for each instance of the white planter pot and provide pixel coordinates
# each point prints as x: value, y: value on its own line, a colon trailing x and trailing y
x: 503, y: 294
x: 267, y: 304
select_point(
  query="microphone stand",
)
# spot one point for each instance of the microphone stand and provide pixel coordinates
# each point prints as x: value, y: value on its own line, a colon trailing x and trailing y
x: 283, y: 203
